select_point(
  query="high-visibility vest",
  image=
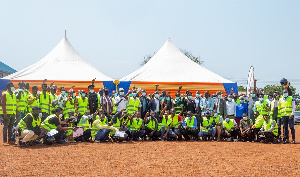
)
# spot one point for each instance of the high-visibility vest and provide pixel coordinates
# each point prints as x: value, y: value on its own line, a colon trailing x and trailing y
x: 114, y: 106
x: 272, y: 110
x: 175, y: 122
x: 69, y: 107
x: 151, y: 124
x: 84, y: 124
x: 177, y: 106
x: 190, y: 123
x: 35, y: 123
x: 135, y: 124
x: 45, y: 103
x: 285, y: 106
x: 99, y: 97
x: 206, y: 122
x: 46, y: 125
x: 82, y: 105
x: 133, y: 105
x: 228, y: 125
x: 11, y: 103
x: 102, y: 122
x: 53, y: 97
x: 27, y: 95
x: 260, y: 108
x: 259, y: 121
x: 22, y: 102
x: 35, y: 103
x: 267, y: 126
x: 1, y: 111
x: 165, y: 122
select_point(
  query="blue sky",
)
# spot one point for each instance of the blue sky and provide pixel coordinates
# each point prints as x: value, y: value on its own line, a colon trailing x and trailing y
x: 114, y: 36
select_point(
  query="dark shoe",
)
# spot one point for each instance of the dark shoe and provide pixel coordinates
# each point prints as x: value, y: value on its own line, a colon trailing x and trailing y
x: 286, y: 142
x: 61, y: 142
x: 293, y: 142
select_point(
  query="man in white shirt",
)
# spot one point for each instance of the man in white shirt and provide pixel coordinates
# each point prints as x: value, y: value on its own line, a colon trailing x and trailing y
x: 121, y: 102
x: 231, y: 108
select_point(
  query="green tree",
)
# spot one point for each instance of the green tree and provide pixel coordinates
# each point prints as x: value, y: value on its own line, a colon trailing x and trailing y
x: 242, y: 89
x: 196, y: 59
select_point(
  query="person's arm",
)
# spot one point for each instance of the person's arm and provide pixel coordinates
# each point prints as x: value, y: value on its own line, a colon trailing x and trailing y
x: 254, y: 88
x: 28, y: 120
x: 3, y: 101
x: 294, y: 107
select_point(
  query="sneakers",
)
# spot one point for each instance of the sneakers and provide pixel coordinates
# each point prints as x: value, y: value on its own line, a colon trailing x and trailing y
x: 293, y: 142
x: 286, y: 142
x: 228, y: 139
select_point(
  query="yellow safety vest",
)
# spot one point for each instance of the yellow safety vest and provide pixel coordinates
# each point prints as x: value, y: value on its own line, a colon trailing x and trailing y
x: 285, y: 106
x: 46, y: 125
x: 133, y: 105
x: 22, y: 125
x: 22, y: 102
x: 45, y: 103
x: 267, y: 126
x: 11, y: 103
x: 82, y: 105
x: 228, y: 125
x: 35, y: 103
x: 260, y: 108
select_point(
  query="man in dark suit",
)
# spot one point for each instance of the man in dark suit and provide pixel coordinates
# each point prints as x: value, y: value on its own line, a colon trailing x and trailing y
x: 145, y: 103
x: 220, y: 105
x: 155, y: 105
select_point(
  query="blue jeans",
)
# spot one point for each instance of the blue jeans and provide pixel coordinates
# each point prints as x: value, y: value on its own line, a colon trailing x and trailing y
x: 102, y: 134
x: 288, y: 122
x: 278, y: 121
x: 211, y: 133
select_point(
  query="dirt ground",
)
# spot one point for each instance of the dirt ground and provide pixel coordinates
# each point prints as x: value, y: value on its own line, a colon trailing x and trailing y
x: 152, y: 159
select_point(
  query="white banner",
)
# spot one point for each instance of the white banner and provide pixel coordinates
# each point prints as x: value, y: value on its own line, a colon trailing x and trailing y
x: 250, y: 79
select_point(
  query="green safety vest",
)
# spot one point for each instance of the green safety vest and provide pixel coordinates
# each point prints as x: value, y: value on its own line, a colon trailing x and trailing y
x: 85, y: 125
x: 151, y: 124
x: 35, y: 103
x: 260, y: 108
x: 22, y: 102
x: 102, y: 122
x: 135, y: 125
x: 11, y: 103
x: 190, y: 123
x: 177, y: 107
x: 99, y: 97
x: 175, y: 122
x: 285, y: 106
x: 45, y: 103
x: 53, y: 97
x: 228, y: 125
x: 35, y: 123
x: 82, y: 105
x: 114, y: 106
x: 259, y: 121
x: 46, y: 125
x: 165, y: 122
x: 133, y: 106
x: 206, y: 122
x: 69, y: 107
x: 267, y: 126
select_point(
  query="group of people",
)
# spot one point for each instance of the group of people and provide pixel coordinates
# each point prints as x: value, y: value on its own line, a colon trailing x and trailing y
x: 47, y: 117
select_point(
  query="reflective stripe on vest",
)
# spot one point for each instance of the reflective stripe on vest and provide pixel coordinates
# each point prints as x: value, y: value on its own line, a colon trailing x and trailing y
x: 35, y: 123
x: 267, y: 126
x: 133, y: 106
x: 11, y: 103
x: 175, y: 122
x: 260, y: 108
x: 22, y: 102
x: 228, y: 125
x: 45, y: 103
x: 82, y: 105
x: 46, y: 125
x: 286, y: 106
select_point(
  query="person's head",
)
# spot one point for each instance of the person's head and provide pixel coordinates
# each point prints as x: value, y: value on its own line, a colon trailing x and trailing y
x: 230, y: 98
x: 215, y: 113
x: 10, y: 87
x: 91, y: 88
x: 27, y: 86
x: 197, y: 94
x: 144, y: 93
x: 73, y: 93
x: 36, y: 111
x: 270, y: 97
x: 106, y: 92
x: 58, y: 112
x: 245, y: 116
x: 285, y: 94
x: 156, y: 94
x: 219, y: 94
x: 168, y: 98
x: 35, y: 89
x: 189, y: 114
x: 53, y: 89
x: 261, y: 91
x: 71, y: 113
x: 166, y: 114
x: 152, y: 114
x: 177, y: 96
x: 173, y: 112
x: 261, y: 97
x: 227, y: 118
x: 182, y: 96
x: 241, y: 99
x: 134, y: 93
x: 114, y: 93
x: 63, y: 91
x: 207, y: 113
x: 163, y: 93
x: 21, y: 85
x: 206, y: 94
x: 121, y: 91
x: 252, y: 93
x: 87, y: 112
x: 82, y: 93
x: 190, y: 95
x: 137, y: 114
x: 214, y: 96
x: 101, y: 111
x: 235, y: 96
x: 44, y: 88
x: 266, y: 117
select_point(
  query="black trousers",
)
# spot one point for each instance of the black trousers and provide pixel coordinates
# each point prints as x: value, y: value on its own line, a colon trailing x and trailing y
x: 186, y: 133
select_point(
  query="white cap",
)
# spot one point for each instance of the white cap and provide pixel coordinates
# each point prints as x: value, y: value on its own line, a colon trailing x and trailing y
x: 121, y: 89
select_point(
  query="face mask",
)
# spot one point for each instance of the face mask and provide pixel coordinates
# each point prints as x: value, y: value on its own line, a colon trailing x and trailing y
x: 197, y: 95
x: 83, y: 95
x: 177, y: 98
x: 74, y: 94
x: 121, y: 93
x: 285, y: 95
x: 227, y: 119
x: 245, y: 118
x: 229, y: 99
x: 190, y: 97
x: 63, y: 92
x: 134, y: 94
x: 106, y: 93
x: 130, y: 94
x: 219, y: 96
x: 91, y: 91
x: 156, y: 95
x: 116, y: 94
x: 168, y: 98
x: 40, y: 115
x: 261, y: 99
x: 144, y: 93
x: 12, y: 89
x: 214, y: 98
x: 253, y: 95
x: 216, y: 115
x: 245, y: 98
x: 60, y: 116
x: 241, y: 101
x: 271, y: 99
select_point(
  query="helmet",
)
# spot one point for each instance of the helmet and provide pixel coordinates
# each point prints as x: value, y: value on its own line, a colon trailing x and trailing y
x: 283, y: 81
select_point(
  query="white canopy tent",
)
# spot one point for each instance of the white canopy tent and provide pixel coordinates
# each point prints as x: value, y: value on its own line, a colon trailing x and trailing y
x: 63, y: 63
x: 169, y: 64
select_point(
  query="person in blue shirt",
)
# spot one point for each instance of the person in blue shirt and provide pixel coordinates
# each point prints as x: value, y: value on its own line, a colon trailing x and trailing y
x: 189, y: 127
x: 206, y: 103
x: 241, y: 108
